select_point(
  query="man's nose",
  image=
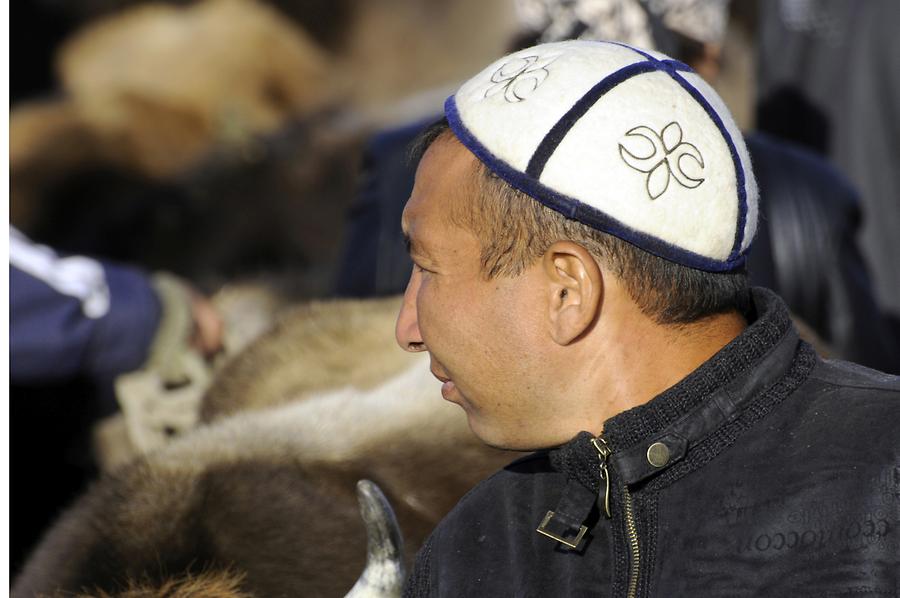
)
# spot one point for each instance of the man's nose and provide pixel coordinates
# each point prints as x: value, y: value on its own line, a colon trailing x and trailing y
x: 408, y: 336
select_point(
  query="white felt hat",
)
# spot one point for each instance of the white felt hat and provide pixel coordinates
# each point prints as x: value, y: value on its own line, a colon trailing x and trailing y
x: 624, y: 140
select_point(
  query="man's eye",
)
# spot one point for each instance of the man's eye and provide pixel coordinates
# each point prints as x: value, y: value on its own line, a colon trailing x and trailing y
x: 419, y: 268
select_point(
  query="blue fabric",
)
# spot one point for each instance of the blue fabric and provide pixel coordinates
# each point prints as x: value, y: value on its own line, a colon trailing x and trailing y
x: 374, y: 258
x: 50, y: 338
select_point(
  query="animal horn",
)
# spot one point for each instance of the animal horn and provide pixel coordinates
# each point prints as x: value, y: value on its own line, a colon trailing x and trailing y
x: 385, y: 572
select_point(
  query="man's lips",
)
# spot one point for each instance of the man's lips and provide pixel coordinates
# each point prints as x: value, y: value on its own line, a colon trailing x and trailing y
x: 440, y: 377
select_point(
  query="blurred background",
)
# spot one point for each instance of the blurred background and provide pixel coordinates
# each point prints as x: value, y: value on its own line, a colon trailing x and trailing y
x: 263, y: 143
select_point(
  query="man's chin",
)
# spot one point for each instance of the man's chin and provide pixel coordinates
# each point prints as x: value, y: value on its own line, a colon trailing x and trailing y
x: 496, y: 439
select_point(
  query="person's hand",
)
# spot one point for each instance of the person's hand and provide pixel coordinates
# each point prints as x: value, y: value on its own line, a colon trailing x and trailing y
x: 208, y: 333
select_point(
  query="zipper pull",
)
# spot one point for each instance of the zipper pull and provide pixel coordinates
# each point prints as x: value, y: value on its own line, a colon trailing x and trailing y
x: 603, y: 453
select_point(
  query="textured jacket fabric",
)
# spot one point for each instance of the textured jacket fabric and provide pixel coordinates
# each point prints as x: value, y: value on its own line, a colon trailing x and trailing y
x: 782, y: 479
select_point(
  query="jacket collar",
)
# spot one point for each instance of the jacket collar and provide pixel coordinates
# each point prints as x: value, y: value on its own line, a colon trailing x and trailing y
x: 687, y: 412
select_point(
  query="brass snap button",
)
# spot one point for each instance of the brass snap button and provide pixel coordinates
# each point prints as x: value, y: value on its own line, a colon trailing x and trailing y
x: 658, y: 454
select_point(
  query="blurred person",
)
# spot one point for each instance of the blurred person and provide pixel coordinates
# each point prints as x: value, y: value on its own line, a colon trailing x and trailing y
x: 72, y: 315
x: 806, y: 250
x: 75, y: 323
x: 829, y: 78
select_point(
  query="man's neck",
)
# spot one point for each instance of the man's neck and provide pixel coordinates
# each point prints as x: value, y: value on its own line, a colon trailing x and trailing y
x: 642, y: 359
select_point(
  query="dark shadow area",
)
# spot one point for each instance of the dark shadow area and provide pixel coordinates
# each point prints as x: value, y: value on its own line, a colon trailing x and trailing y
x: 787, y: 113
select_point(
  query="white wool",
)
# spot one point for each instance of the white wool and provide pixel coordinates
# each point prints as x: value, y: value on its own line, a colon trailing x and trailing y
x: 588, y: 166
x: 646, y: 156
x: 752, y: 189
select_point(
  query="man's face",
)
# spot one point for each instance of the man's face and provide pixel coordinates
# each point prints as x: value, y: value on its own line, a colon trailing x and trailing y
x: 481, y: 334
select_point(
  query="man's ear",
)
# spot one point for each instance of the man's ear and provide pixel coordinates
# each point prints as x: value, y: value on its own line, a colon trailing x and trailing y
x: 575, y: 284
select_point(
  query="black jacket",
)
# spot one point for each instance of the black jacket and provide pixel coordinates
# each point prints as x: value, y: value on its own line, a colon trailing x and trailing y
x: 782, y: 478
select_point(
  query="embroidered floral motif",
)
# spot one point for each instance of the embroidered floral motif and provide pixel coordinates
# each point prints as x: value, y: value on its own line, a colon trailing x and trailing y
x: 668, y: 158
x: 518, y: 78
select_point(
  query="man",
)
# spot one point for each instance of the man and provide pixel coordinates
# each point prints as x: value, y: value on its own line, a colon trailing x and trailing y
x: 579, y: 228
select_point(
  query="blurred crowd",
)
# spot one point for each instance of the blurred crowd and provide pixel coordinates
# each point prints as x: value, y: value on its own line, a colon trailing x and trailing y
x: 162, y: 151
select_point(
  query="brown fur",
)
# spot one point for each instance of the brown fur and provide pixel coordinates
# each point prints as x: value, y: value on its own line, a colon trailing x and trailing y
x: 313, y: 347
x: 222, y: 83
x: 269, y: 490
x: 214, y: 584
x: 159, y: 85
x: 292, y: 527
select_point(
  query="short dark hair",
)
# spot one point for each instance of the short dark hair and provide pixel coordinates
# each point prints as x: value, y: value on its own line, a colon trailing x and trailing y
x: 515, y: 230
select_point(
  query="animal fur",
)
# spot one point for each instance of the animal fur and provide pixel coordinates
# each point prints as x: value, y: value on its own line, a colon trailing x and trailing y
x: 217, y: 584
x: 308, y: 349
x: 179, y: 115
x: 270, y: 491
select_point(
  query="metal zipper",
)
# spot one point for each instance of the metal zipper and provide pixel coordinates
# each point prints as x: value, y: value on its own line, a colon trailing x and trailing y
x: 603, y: 452
x: 631, y: 529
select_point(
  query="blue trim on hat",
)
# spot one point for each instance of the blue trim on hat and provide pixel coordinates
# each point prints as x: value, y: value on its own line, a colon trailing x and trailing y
x: 562, y: 127
x: 677, y: 64
x: 576, y: 210
x: 735, y: 157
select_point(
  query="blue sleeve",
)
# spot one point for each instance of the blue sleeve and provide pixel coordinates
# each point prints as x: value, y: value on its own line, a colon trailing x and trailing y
x: 75, y: 315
